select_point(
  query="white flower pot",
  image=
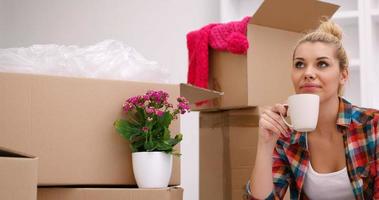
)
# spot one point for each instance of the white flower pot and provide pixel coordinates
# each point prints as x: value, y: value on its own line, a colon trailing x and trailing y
x: 152, y: 169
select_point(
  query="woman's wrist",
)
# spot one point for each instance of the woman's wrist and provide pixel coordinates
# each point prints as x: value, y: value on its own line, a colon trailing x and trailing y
x: 265, y: 146
x: 264, y: 151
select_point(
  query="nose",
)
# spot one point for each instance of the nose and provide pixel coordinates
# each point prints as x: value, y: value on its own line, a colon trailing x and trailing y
x: 309, y: 73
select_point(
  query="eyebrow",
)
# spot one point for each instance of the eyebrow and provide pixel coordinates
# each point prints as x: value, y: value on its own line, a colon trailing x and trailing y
x: 319, y: 58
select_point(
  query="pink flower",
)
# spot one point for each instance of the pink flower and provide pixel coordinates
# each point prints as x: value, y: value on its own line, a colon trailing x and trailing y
x: 159, y: 97
x: 149, y: 110
x: 146, y: 97
x: 140, y: 100
x: 159, y: 113
x: 136, y: 100
x: 145, y: 129
x: 183, y: 106
x: 155, y: 103
x: 182, y: 99
x: 133, y: 100
x: 127, y: 107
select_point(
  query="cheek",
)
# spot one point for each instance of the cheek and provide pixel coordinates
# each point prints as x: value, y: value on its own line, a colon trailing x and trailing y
x: 295, y: 77
x: 332, y: 81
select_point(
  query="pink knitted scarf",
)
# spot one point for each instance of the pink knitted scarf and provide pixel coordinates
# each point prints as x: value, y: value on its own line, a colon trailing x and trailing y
x: 223, y: 37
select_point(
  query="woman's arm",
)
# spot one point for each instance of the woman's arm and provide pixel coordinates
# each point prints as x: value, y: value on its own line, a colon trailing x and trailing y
x: 261, y: 180
x: 277, y: 179
x: 269, y: 164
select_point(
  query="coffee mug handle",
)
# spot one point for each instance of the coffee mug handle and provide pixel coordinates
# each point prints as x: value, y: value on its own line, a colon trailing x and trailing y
x: 284, y: 120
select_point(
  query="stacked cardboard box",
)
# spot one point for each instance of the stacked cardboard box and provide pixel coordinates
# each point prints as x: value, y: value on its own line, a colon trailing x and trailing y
x: 18, y: 175
x: 228, y: 144
x: 68, y: 124
x: 171, y: 193
x: 229, y: 124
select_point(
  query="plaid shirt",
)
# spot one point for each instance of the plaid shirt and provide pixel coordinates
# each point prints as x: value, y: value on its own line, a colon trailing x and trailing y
x: 359, y: 128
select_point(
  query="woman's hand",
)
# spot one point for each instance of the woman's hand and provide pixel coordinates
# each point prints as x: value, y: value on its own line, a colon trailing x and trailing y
x: 271, y: 125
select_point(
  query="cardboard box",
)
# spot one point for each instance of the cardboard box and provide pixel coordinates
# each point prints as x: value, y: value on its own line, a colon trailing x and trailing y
x: 262, y: 77
x: 18, y: 175
x: 171, y: 193
x: 68, y: 124
x: 228, y: 145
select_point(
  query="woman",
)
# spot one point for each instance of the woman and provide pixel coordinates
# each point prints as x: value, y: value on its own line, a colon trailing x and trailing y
x: 338, y: 159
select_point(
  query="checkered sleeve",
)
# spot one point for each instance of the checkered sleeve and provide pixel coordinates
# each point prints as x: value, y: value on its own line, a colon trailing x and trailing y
x: 281, y: 172
x: 281, y: 175
x: 375, y: 126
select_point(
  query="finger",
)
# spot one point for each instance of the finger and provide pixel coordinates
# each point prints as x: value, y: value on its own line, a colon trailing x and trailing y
x: 278, y: 128
x: 276, y: 117
x: 280, y: 109
x: 279, y: 120
x: 271, y: 129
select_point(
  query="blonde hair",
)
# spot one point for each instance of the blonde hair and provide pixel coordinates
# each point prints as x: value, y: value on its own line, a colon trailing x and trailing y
x: 330, y: 33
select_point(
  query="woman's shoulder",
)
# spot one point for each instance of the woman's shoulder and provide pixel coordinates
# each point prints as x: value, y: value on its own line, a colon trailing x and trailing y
x: 364, y: 115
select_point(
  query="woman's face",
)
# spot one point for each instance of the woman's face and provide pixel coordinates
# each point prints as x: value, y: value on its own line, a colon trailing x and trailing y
x: 316, y: 70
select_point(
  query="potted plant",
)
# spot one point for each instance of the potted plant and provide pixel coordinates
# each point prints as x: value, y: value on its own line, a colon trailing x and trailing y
x: 146, y: 127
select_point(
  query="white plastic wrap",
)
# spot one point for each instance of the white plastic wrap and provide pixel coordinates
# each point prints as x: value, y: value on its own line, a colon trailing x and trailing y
x: 109, y: 59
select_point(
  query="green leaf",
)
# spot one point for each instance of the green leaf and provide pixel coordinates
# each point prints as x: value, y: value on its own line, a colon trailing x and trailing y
x: 176, y: 140
x: 133, y: 119
x: 125, y: 128
x: 179, y: 137
x: 149, y: 146
x: 138, y: 145
x: 176, y: 154
x: 167, y: 118
x: 164, y: 146
x: 164, y: 120
x: 141, y: 115
x: 166, y: 134
x: 132, y: 148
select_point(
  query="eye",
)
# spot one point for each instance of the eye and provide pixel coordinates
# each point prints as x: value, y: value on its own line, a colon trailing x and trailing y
x: 299, y: 64
x: 322, y: 64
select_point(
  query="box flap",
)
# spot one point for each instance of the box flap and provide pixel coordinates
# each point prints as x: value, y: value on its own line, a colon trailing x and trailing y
x: 5, y: 152
x: 292, y: 15
x: 195, y: 94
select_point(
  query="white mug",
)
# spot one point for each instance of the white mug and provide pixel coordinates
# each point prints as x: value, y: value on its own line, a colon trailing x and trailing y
x: 303, y: 111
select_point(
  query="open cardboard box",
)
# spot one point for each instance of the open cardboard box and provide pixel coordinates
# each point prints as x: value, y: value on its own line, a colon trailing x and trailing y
x: 262, y: 77
x: 228, y: 147
x: 68, y: 124
x: 171, y: 193
x: 18, y: 175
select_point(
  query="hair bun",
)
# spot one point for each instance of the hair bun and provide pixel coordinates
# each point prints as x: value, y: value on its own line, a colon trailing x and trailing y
x: 328, y: 26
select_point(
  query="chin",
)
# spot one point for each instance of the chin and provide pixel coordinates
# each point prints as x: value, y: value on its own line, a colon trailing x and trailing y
x: 308, y: 92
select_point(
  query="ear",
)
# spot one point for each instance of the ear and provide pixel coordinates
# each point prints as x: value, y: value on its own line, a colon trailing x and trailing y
x: 344, y: 76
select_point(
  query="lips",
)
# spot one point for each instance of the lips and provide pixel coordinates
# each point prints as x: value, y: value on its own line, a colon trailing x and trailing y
x: 310, y: 86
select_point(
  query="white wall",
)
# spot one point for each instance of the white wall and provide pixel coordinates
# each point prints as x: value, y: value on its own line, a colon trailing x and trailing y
x: 157, y: 29
x: 231, y: 10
